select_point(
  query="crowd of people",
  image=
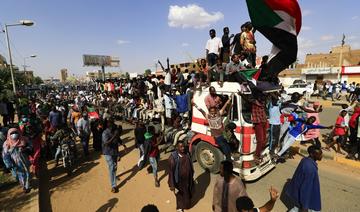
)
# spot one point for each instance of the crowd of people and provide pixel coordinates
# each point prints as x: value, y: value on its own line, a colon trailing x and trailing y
x: 46, y: 118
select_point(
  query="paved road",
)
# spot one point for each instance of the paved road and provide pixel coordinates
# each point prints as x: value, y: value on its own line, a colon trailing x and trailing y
x: 88, y: 188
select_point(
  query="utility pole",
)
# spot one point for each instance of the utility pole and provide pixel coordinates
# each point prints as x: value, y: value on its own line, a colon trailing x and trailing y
x: 341, y: 57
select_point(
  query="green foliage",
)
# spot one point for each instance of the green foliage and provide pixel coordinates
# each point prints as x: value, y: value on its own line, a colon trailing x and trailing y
x: 127, y: 75
x: 38, y: 80
x: 147, y: 72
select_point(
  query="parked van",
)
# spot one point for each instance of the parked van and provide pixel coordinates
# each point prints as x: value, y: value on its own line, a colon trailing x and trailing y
x: 203, y: 147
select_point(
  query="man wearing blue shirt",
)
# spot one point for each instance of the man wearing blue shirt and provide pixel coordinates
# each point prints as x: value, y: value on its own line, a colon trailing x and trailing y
x: 304, y: 187
x: 300, y: 128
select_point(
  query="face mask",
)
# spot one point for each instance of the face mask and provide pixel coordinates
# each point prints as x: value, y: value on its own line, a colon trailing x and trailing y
x: 14, y: 136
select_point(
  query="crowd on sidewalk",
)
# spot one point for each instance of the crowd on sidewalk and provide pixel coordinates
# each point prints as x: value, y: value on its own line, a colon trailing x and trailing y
x: 162, y: 107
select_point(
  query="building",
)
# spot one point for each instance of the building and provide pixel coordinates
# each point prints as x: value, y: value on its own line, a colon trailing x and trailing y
x: 350, y: 74
x: 97, y: 74
x: 63, y: 75
x: 288, y: 76
x: 3, y: 62
x: 51, y: 80
x: 327, y: 66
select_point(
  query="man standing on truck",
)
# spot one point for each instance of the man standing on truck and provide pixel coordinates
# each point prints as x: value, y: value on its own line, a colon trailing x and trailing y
x: 215, y: 119
x: 259, y: 119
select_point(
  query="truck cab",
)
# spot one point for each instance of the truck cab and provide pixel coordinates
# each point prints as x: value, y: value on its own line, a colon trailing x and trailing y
x: 203, y: 146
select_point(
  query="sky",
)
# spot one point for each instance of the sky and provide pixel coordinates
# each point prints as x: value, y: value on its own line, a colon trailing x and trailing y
x: 140, y: 32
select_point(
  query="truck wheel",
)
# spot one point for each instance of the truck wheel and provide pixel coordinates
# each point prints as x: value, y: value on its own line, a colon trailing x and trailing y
x: 209, y: 157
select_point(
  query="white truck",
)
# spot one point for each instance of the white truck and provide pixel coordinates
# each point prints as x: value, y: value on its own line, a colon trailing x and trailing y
x: 207, y: 153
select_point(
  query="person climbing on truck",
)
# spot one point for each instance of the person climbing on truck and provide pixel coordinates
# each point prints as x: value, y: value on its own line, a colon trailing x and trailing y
x: 215, y: 119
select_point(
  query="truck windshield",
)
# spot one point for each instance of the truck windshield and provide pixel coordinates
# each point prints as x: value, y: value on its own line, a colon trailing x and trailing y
x: 246, y: 110
x: 234, y: 116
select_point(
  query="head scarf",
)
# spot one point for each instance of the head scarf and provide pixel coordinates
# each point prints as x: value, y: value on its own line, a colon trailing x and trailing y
x: 356, y: 114
x: 11, y: 143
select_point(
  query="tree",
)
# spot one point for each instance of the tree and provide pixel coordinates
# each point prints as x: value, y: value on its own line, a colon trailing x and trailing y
x: 147, y: 72
x: 127, y: 75
x: 38, y: 81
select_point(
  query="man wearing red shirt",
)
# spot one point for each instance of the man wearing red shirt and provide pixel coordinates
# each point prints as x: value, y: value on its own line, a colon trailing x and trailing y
x: 339, y: 132
x: 154, y: 151
x: 212, y: 100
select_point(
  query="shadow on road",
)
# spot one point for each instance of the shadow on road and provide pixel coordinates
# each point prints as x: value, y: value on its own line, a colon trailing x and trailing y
x: 163, y: 166
x: 133, y: 171
x: 202, y: 182
x: 44, y: 188
x: 108, y: 206
x: 83, y: 165
x: 12, y: 197
x: 126, y: 151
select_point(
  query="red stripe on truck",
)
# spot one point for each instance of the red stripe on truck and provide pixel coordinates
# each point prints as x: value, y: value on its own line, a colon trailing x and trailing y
x: 245, y: 131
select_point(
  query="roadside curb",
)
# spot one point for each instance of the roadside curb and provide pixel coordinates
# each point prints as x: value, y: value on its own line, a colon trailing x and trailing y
x: 329, y: 156
x: 348, y: 162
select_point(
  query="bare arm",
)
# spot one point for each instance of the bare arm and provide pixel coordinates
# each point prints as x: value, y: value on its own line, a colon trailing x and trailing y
x: 274, y: 194
x: 228, y: 102
x: 201, y: 110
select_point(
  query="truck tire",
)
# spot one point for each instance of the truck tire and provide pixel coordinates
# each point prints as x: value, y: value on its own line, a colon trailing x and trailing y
x: 209, y: 157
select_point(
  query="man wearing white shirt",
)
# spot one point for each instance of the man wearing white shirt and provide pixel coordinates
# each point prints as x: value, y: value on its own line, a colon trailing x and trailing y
x: 167, y: 80
x: 213, y: 48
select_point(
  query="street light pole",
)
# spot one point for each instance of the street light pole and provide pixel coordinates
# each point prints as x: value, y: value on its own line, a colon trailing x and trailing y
x: 31, y: 56
x: 10, y: 59
x: 22, y: 22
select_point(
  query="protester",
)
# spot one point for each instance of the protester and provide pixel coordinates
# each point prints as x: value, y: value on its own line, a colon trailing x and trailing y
x: 213, y: 48
x: 139, y: 133
x: 227, y: 189
x: 247, y: 41
x: 15, y: 155
x: 83, y: 127
x: 212, y: 99
x: 150, y: 208
x: 110, y: 145
x: 339, y: 132
x: 354, y: 125
x: 181, y: 174
x: 55, y: 118
x: 154, y: 153
x: 225, y: 51
x: 304, y: 187
x: 302, y: 125
x: 245, y: 204
x: 215, y: 119
x: 97, y: 129
x: 275, y: 124
x: 60, y: 135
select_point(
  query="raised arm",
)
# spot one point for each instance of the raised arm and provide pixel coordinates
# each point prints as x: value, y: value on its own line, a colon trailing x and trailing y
x: 274, y: 194
x: 201, y: 110
x: 227, y: 103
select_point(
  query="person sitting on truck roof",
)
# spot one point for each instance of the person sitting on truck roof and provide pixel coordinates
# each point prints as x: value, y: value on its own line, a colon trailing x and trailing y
x: 215, y: 120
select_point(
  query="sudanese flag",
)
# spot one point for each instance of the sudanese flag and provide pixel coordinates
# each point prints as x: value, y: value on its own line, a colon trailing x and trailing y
x: 280, y: 22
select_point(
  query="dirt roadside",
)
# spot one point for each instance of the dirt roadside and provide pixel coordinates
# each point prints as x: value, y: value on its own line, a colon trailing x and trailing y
x: 88, y: 189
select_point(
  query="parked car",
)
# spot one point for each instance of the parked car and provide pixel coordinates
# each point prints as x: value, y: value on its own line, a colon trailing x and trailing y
x: 300, y: 88
x: 299, y: 82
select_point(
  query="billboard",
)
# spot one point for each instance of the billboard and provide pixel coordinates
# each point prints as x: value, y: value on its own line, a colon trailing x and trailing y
x: 100, y: 60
